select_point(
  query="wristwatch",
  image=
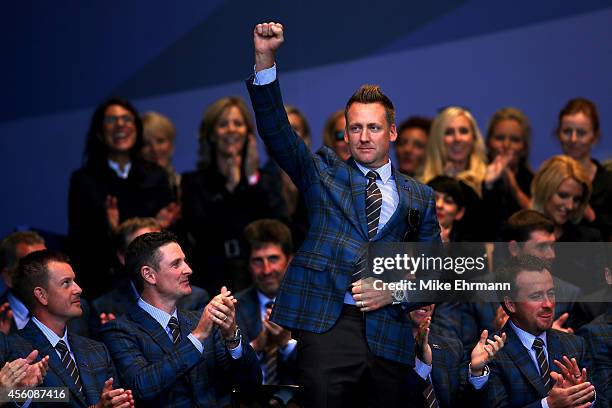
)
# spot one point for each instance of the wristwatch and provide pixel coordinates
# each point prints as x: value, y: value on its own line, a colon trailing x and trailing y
x: 235, y: 340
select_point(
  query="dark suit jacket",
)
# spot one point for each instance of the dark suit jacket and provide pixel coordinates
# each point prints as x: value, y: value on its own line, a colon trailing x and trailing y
x: 79, y: 325
x: 161, y: 374
x: 92, y: 359
x: 142, y: 194
x: 515, y: 381
x: 249, y: 320
x: 312, y: 294
x: 598, y: 336
x: 449, y: 376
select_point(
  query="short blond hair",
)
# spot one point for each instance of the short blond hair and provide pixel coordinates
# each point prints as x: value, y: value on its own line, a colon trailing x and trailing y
x: 155, y: 122
x: 550, y: 176
x: 436, y: 155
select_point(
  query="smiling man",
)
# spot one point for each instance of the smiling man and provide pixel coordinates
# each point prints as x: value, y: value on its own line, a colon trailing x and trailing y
x: 169, y: 356
x: 353, y: 349
x: 521, y: 372
x: 46, y: 283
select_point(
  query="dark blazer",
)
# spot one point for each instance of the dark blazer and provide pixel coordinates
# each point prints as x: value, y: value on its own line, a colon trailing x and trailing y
x: 78, y: 325
x: 92, y: 359
x: 312, y: 293
x: 515, y: 381
x: 249, y: 320
x: 142, y: 194
x: 161, y: 374
x: 449, y: 376
x: 598, y: 336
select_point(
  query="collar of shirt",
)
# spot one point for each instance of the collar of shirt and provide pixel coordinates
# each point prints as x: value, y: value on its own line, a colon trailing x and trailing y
x: 50, y: 335
x: 385, y: 172
x: 263, y: 299
x: 159, y: 315
x: 117, y: 169
x: 20, y: 311
x: 527, y: 338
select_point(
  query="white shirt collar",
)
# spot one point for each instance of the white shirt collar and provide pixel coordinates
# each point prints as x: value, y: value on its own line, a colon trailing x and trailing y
x: 384, y: 172
x: 50, y: 335
x: 117, y: 169
x: 159, y: 315
x: 527, y: 338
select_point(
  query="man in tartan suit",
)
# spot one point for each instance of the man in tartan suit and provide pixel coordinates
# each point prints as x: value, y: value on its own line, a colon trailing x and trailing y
x: 521, y: 374
x: 354, y: 347
x: 45, y: 282
x: 169, y: 356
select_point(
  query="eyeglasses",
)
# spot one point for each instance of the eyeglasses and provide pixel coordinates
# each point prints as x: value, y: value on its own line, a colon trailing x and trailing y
x: 339, y: 135
x: 112, y: 119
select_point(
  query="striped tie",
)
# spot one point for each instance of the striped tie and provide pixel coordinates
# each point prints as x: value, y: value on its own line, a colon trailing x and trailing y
x: 373, y: 203
x: 270, y: 361
x: 430, y: 396
x: 174, y: 329
x: 538, y: 346
x: 69, y: 363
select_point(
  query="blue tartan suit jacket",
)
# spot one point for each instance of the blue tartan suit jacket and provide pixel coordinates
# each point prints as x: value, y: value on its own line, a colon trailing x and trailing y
x: 598, y: 336
x: 312, y: 293
x: 515, y: 381
x: 92, y: 359
x: 162, y: 374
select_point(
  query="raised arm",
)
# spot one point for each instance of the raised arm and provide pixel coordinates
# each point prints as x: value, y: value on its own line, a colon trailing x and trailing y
x: 267, y: 38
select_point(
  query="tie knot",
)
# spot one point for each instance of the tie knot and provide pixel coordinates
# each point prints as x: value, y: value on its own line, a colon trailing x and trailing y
x: 538, y: 343
x: 61, y: 347
x: 371, y: 176
x: 173, y: 323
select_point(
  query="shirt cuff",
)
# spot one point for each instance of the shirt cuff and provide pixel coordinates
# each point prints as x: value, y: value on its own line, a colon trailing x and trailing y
x: 480, y: 381
x: 236, y: 352
x: 286, y: 351
x: 544, y: 403
x: 422, y: 369
x: 265, y: 76
x: 197, y: 343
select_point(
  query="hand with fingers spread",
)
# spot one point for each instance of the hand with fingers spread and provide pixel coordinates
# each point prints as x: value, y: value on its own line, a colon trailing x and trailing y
x: 485, y: 351
x: 558, y: 324
x: 6, y: 318
x: 115, y: 398
x: 23, y: 372
x: 423, y: 349
x: 36, y: 371
x: 571, y: 374
x: 267, y: 38
x: 106, y: 317
x: 496, y: 169
x: 367, y: 298
x: 561, y: 396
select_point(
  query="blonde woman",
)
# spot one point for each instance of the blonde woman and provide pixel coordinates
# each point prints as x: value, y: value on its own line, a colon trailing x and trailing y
x: 455, y: 148
x: 159, y: 134
x: 561, y: 190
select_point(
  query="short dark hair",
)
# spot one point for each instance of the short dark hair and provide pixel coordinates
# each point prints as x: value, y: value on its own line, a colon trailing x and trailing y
x: 144, y: 251
x: 8, y: 247
x: 264, y: 232
x: 522, y: 223
x: 415, y: 122
x: 510, y: 270
x: 33, y: 272
x: 128, y: 227
x: 372, y: 94
x: 450, y: 186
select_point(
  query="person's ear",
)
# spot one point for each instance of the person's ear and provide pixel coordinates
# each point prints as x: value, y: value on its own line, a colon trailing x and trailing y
x: 148, y: 274
x: 460, y: 214
x: 513, y: 248
x: 510, y: 305
x: 40, y: 294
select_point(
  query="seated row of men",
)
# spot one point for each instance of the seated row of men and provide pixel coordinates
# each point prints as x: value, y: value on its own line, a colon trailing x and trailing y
x: 173, y: 346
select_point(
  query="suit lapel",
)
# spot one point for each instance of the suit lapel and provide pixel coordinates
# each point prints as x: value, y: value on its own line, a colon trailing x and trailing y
x: 403, y: 189
x: 357, y: 184
x: 554, y: 348
x: 88, y: 378
x: 521, y: 358
x: 147, y: 323
x: 186, y: 323
x: 439, y: 376
x: 36, y: 337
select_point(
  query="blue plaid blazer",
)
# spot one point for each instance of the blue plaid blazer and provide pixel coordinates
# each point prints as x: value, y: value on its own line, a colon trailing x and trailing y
x: 449, y: 376
x: 515, y: 381
x: 598, y: 336
x: 249, y: 320
x: 161, y: 374
x: 92, y: 359
x: 312, y: 293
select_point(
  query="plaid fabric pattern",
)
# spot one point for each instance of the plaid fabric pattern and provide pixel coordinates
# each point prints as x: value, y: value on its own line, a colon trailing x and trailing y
x: 598, y: 337
x: 312, y: 293
x: 92, y: 359
x: 514, y: 379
